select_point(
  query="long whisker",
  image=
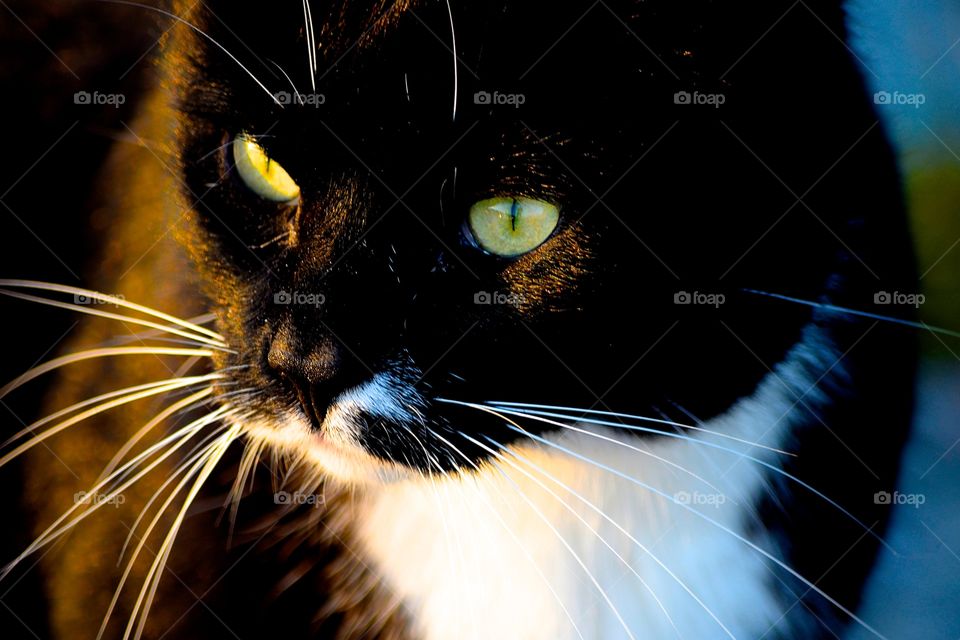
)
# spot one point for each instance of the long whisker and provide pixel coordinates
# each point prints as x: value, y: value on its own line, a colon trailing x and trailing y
x: 619, y: 527
x: 296, y: 91
x: 203, y: 33
x: 32, y: 427
x: 109, y: 315
x: 119, y: 340
x: 673, y: 500
x: 106, y: 406
x: 647, y: 453
x: 538, y: 417
x: 562, y: 540
x: 152, y: 581
x: 456, y: 62
x: 573, y: 511
x: 448, y: 538
x: 104, y: 352
x: 510, y: 532
x: 143, y: 539
x: 689, y: 427
x: 311, y: 44
x: 832, y: 308
x: 248, y: 462
x: 141, y: 543
x: 156, y: 334
x: 108, y: 299
x: 182, y: 404
x: 199, y: 450
x: 53, y: 531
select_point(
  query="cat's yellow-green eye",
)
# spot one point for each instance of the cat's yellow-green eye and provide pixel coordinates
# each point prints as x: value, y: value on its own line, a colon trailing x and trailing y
x: 510, y: 227
x: 264, y: 176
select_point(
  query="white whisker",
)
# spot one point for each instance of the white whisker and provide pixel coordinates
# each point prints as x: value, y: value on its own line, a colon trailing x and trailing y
x: 673, y: 500
x: 562, y: 540
x: 619, y: 528
x: 33, y: 426
x: 832, y: 308
x: 522, y: 405
x: 580, y: 518
x: 120, y: 302
x: 510, y: 532
x: 311, y: 44
x: 55, y: 530
x: 145, y: 598
x: 456, y: 62
x: 201, y: 449
x: 203, y: 33
x: 109, y: 315
x: 105, y: 352
x: 296, y: 91
x: 106, y: 406
x: 182, y: 404
x: 538, y: 417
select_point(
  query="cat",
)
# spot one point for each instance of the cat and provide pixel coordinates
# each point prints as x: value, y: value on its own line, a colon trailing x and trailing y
x: 553, y: 320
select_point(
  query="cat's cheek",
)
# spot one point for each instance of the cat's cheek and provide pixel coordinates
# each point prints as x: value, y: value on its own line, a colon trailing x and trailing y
x: 551, y: 277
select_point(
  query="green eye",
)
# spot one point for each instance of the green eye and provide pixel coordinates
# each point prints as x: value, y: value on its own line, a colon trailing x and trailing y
x: 509, y: 227
x: 265, y: 177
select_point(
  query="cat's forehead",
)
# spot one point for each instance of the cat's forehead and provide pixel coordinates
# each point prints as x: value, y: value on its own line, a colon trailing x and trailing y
x: 500, y: 45
x: 503, y: 41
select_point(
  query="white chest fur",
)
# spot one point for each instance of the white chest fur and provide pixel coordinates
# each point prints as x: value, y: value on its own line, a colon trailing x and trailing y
x: 521, y: 550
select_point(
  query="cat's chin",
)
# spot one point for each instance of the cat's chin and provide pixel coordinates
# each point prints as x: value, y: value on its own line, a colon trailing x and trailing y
x: 333, y: 452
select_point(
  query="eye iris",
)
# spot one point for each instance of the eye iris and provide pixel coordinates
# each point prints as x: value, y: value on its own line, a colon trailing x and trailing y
x: 510, y: 227
x: 263, y: 176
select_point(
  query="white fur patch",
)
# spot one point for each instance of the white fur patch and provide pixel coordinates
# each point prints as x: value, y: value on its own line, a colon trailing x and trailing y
x: 481, y: 556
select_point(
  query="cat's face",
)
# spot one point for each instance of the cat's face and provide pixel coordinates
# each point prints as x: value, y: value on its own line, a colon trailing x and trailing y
x: 527, y: 228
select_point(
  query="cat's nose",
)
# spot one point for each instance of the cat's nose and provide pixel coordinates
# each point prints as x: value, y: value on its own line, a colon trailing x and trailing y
x: 316, y: 372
